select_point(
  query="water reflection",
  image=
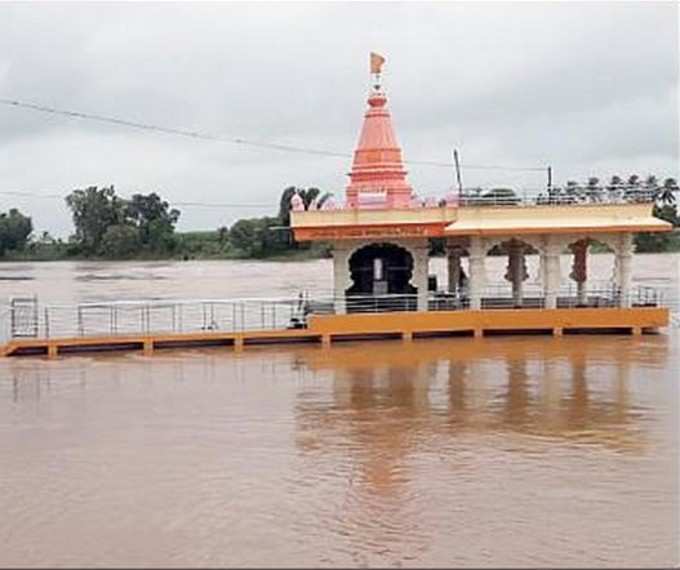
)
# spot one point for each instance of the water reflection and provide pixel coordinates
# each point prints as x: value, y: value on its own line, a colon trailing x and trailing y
x: 394, y: 397
x: 412, y: 423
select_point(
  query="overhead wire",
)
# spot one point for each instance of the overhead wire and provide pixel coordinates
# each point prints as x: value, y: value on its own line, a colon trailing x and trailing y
x: 237, y: 140
x: 173, y: 203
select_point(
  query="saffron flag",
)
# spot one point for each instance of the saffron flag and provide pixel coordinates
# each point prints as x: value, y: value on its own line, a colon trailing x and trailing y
x: 376, y: 62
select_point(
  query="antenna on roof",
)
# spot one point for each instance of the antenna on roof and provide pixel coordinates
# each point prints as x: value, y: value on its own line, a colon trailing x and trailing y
x: 456, y: 163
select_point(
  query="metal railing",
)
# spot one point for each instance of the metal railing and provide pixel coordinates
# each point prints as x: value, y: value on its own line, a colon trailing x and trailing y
x: 555, y: 197
x: 240, y: 315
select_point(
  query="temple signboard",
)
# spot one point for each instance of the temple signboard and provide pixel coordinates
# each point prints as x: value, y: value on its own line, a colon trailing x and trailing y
x: 368, y: 232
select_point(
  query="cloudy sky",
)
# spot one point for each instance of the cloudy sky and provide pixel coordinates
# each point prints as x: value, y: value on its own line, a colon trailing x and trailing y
x: 591, y: 89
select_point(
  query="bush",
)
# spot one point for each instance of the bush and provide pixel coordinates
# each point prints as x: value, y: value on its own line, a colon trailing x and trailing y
x: 120, y: 240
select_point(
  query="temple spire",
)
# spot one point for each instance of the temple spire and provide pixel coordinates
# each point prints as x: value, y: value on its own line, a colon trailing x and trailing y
x: 378, y: 178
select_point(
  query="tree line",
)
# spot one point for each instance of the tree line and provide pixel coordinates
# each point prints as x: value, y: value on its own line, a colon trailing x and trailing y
x: 144, y: 225
x: 107, y: 225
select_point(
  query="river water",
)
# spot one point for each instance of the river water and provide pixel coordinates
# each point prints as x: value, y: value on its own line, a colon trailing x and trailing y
x: 502, y: 451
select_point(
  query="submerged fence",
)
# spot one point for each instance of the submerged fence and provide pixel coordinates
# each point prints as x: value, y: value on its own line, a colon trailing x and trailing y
x: 26, y: 318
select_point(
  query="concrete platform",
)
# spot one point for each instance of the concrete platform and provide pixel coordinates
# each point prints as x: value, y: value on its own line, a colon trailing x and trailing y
x: 404, y: 325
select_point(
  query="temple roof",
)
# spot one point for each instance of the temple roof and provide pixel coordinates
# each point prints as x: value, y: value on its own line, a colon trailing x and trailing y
x: 599, y: 218
x: 475, y: 221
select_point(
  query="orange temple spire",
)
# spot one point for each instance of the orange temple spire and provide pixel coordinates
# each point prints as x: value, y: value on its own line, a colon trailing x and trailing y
x: 378, y: 178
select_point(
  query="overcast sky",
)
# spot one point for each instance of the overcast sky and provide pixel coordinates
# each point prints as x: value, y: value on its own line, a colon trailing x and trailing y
x: 591, y: 89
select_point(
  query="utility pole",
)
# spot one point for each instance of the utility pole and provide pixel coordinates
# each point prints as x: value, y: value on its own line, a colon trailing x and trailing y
x: 549, y: 179
x: 456, y: 162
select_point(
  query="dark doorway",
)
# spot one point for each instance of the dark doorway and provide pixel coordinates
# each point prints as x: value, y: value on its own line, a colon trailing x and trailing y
x: 378, y: 270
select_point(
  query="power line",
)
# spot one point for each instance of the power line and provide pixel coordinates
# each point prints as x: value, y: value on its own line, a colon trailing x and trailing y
x: 183, y: 204
x: 236, y: 140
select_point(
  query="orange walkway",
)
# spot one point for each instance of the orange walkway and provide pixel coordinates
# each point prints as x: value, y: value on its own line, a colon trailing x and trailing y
x: 406, y: 325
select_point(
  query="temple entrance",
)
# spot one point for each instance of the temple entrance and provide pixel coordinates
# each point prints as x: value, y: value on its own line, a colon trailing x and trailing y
x: 377, y: 271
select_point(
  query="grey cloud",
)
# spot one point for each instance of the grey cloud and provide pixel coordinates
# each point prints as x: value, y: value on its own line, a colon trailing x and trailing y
x: 583, y: 86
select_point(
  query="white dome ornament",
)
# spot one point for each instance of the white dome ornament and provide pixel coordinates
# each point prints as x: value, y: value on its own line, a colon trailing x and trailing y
x: 296, y: 203
x: 451, y: 198
x: 329, y: 204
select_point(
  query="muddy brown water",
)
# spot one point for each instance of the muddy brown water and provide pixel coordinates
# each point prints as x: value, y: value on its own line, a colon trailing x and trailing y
x: 503, y: 451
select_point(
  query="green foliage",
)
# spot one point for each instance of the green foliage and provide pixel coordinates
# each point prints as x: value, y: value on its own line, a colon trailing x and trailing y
x: 665, y: 195
x: 154, y: 220
x: 310, y: 197
x: 120, y: 241
x: 94, y: 210
x: 659, y: 241
x: 501, y: 196
x: 284, y: 205
x: 100, y: 212
x: 14, y: 230
x: 256, y: 237
x: 202, y: 245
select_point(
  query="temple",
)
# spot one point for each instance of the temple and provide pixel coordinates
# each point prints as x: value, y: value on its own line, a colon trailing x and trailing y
x: 381, y: 239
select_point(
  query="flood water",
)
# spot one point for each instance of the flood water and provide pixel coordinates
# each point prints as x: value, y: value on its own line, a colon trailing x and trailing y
x: 502, y: 451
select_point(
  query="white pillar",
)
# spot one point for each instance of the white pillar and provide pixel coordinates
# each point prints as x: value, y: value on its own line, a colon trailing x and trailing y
x: 551, y: 284
x: 624, y: 268
x: 341, y: 276
x: 421, y: 263
x: 477, y: 277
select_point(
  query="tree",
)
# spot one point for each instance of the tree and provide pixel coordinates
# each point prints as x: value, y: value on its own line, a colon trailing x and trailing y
x: 15, y: 228
x: 309, y: 196
x: 285, y: 206
x: 614, y: 187
x: 572, y: 191
x: 593, y: 189
x: 94, y: 210
x: 632, y: 190
x: 651, y: 188
x: 154, y: 219
x: 666, y: 194
x: 120, y: 240
x: 255, y: 237
x: 500, y: 196
x: 658, y: 241
x: 244, y: 235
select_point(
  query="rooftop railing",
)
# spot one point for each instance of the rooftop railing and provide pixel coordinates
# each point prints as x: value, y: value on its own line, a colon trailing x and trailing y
x: 25, y: 318
x: 558, y: 197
